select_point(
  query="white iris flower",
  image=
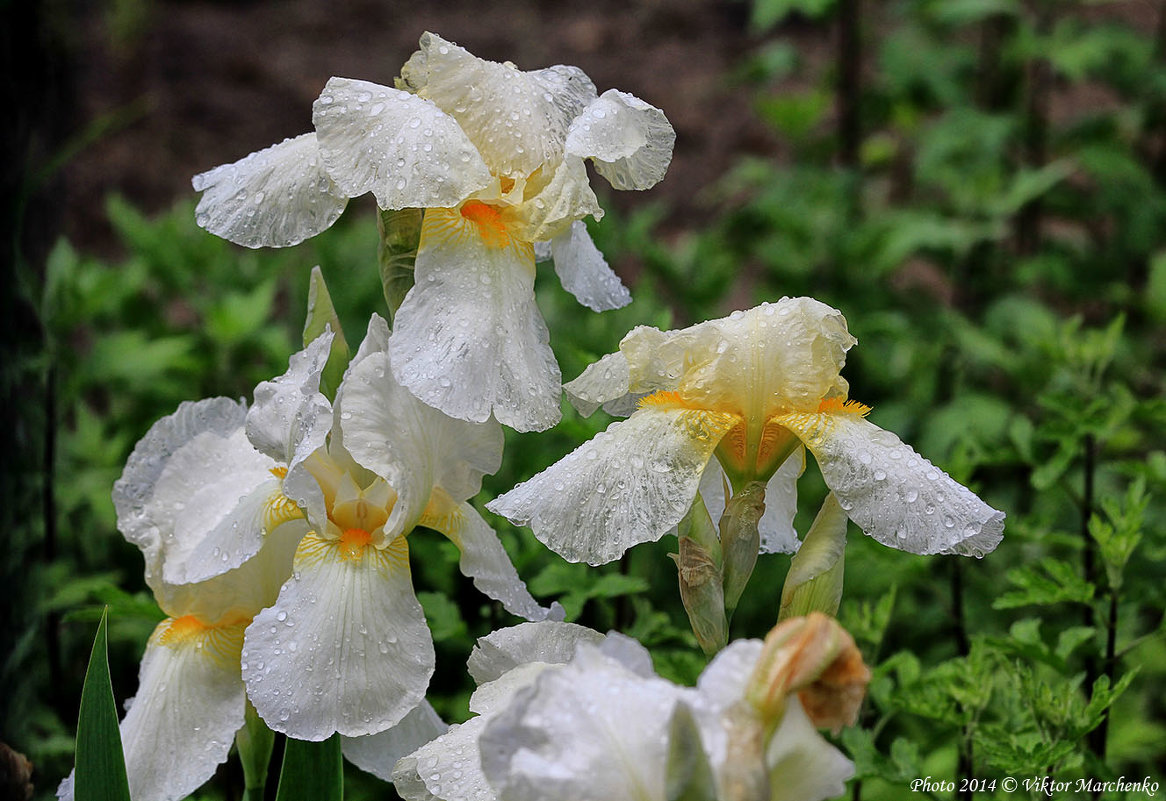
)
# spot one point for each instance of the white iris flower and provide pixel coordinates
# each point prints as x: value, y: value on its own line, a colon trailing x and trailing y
x: 495, y: 156
x: 566, y: 713
x: 749, y: 389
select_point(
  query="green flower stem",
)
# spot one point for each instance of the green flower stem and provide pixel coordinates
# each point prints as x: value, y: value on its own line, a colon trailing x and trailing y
x: 400, y: 236
x: 255, y: 742
x: 814, y: 581
x: 740, y: 540
x: 699, y: 567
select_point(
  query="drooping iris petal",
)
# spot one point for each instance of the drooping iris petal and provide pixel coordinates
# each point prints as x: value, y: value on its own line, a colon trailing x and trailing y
x: 603, y: 382
x: 345, y: 648
x: 893, y: 493
x: 180, y: 726
x: 518, y: 120
x: 630, y: 484
x: 776, y: 526
x: 291, y: 417
x: 275, y: 197
x: 468, y: 339
x: 483, y: 558
x: 590, y: 729
x: 584, y: 271
x: 414, y: 447
x: 378, y: 753
x: 629, y: 140
x: 403, y: 149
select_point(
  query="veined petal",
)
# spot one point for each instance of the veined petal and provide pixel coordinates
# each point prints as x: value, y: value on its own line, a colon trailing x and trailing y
x: 584, y: 271
x: 290, y: 417
x: 590, y: 729
x: 483, y: 558
x: 518, y: 120
x: 630, y: 484
x: 414, y: 447
x: 893, y: 493
x: 448, y: 768
x: 548, y: 641
x: 468, y: 338
x: 180, y: 726
x: 630, y: 140
x: 378, y: 753
x: 566, y: 198
x: 276, y: 197
x: 402, y: 148
x: 345, y: 648
x: 781, y: 502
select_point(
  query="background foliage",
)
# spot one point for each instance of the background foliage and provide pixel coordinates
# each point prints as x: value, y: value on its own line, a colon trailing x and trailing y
x: 980, y: 187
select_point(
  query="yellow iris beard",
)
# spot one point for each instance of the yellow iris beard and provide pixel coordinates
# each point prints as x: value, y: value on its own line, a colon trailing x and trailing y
x: 222, y: 642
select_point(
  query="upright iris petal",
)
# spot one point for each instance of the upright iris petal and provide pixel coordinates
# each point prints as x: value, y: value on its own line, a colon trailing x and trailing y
x: 750, y: 389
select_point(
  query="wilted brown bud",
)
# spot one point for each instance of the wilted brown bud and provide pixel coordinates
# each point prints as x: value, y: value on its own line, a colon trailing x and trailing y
x: 816, y: 658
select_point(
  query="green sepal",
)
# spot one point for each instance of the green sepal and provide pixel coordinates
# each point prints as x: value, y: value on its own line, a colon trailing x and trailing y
x: 400, y: 235
x: 814, y: 581
x: 321, y: 315
x: 740, y: 539
x: 255, y: 742
x: 701, y: 580
x: 100, y: 770
x: 311, y: 771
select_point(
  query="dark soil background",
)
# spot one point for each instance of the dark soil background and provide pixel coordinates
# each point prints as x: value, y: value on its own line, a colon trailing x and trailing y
x: 172, y: 88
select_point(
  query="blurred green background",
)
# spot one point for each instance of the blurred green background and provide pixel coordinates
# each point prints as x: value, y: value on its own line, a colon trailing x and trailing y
x: 979, y: 186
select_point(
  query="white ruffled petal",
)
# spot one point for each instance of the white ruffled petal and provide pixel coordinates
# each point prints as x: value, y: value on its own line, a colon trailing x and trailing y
x: 403, y: 149
x: 893, y: 493
x: 180, y: 726
x: 291, y: 417
x: 584, y: 271
x: 543, y: 641
x: 630, y: 140
x: 630, y: 484
x: 566, y: 198
x: 776, y: 525
x: 448, y: 768
x: 590, y: 729
x: 378, y: 753
x: 414, y: 447
x: 276, y: 197
x: 484, y: 559
x: 345, y: 648
x: 469, y: 339
x: 518, y: 120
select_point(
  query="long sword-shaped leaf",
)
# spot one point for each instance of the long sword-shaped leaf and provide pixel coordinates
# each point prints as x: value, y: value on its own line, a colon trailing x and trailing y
x: 101, y: 769
x: 311, y: 771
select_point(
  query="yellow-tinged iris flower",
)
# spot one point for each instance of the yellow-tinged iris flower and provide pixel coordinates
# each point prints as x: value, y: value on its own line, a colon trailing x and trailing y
x: 495, y: 157
x: 749, y: 389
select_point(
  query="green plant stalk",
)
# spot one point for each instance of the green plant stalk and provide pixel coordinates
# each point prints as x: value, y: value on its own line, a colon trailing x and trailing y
x: 255, y: 743
x: 740, y: 540
x: 699, y: 569
x: 400, y: 236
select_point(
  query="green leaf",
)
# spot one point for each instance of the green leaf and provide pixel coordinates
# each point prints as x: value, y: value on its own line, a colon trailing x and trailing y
x: 101, y: 770
x: 1048, y: 582
x: 400, y: 234
x: 254, y: 743
x: 1155, y: 295
x: 311, y: 771
x: 442, y: 614
x: 768, y: 13
x: 688, y: 775
x: 321, y: 315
